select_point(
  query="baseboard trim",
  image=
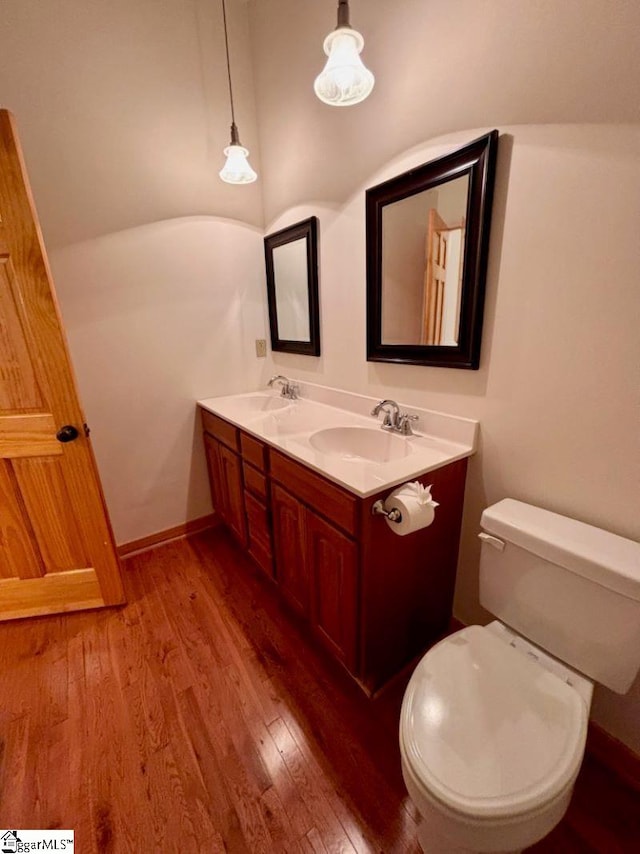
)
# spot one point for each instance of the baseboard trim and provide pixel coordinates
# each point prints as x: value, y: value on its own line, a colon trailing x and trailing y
x: 614, y: 754
x: 152, y: 541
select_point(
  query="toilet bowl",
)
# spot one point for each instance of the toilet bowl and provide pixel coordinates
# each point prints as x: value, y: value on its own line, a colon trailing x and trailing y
x: 492, y: 735
x: 493, y: 727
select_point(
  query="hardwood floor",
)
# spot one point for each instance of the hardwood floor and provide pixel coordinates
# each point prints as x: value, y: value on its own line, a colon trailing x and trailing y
x: 200, y: 718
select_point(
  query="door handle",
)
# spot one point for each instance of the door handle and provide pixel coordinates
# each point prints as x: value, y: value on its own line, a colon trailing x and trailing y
x: 68, y: 433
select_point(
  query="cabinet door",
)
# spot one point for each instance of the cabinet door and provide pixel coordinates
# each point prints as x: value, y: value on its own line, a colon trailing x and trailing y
x: 259, y: 532
x: 219, y: 498
x: 231, y: 479
x: 334, y: 588
x: 292, y: 568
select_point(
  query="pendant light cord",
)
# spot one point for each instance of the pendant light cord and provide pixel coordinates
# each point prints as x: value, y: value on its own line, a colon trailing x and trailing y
x: 226, y: 44
x: 343, y: 14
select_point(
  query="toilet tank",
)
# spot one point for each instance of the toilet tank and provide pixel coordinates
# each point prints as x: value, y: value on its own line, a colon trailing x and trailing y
x: 572, y: 589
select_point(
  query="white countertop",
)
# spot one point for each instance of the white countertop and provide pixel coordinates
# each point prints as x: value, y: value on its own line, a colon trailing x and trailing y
x: 289, y: 426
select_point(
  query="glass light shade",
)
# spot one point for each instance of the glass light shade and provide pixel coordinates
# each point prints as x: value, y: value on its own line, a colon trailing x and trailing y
x: 237, y: 169
x: 345, y: 80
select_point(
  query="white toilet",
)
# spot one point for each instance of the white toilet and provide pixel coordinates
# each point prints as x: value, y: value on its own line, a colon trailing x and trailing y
x: 493, y: 728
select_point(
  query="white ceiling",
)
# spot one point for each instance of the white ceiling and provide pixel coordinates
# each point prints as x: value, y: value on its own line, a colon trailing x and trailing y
x: 123, y: 106
x: 123, y: 110
x: 440, y: 66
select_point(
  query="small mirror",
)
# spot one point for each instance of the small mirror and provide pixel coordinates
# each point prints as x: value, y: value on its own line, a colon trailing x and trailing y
x: 427, y: 240
x: 291, y: 257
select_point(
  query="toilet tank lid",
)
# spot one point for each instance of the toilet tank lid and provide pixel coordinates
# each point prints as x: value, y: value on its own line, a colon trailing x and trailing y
x: 600, y: 556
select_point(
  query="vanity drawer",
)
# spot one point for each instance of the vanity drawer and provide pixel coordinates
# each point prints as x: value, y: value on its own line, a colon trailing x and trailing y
x: 259, y: 533
x: 255, y: 482
x: 332, y: 502
x: 254, y: 451
x: 221, y: 429
x: 258, y: 519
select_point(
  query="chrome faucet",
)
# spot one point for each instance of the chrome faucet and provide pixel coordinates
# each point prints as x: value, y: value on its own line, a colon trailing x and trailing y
x: 394, y: 420
x: 391, y: 412
x: 289, y: 390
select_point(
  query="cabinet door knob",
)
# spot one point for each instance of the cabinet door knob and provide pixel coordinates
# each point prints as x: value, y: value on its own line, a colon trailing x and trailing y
x: 68, y: 433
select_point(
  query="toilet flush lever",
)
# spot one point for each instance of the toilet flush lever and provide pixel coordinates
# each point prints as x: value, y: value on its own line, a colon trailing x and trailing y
x: 492, y: 541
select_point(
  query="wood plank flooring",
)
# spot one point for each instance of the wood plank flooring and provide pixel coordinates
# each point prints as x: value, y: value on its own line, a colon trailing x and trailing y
x: 201, y: 718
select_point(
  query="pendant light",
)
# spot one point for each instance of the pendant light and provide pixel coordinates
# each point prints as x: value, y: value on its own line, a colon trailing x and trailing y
x: 237, y: 169
x: 345, y: 80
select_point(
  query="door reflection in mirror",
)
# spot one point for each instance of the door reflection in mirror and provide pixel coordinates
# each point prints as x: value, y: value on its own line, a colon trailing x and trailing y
x: 422, y: 258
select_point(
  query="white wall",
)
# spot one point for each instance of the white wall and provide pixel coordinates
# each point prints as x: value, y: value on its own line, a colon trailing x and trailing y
x: 558, y: 391
x: 440, y: 66
x: 404, y: 231
x: 158, y: 317
x: 123, y: 113
x: 123, y: 110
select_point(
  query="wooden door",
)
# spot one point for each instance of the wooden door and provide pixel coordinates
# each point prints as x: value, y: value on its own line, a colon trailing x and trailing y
x: 333, y: 562
x: 231, y: 480
x: 292, y: 569
x: 56, y: 546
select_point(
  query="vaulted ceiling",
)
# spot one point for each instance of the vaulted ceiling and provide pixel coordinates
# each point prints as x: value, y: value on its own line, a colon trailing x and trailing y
x: 123, y: 107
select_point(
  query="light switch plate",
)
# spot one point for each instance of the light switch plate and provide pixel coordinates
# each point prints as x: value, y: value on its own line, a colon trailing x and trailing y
x: 261, y: 348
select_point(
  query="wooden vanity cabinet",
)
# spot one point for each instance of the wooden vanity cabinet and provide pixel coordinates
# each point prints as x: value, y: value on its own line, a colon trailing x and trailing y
x: 407, y: 583
x: 374, y: 599
x: 314, y: 529
x: 317, y: 570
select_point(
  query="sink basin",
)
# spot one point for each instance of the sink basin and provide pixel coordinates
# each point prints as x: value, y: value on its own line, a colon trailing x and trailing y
x: 360, y: 443
x: 260, y: 403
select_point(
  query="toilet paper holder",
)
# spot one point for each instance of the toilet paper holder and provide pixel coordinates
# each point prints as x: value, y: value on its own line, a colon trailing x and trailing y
x: 378, y: 509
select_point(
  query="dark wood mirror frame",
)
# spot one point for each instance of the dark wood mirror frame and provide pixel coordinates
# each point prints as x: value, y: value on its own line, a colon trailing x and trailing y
x: 307, y: 229
x: 478, y: 161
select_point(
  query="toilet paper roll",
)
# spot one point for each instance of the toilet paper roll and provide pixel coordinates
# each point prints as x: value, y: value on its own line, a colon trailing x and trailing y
x: 416, y: 506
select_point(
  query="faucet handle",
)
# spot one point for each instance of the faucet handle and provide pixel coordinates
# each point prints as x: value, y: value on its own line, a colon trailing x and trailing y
x: 404, y: 423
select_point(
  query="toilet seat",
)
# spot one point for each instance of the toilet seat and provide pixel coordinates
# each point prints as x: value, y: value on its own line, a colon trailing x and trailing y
x: 487, y: 731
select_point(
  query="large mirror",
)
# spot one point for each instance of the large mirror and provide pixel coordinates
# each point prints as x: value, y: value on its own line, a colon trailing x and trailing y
x: 427, y: 242
x: 291, y: 257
